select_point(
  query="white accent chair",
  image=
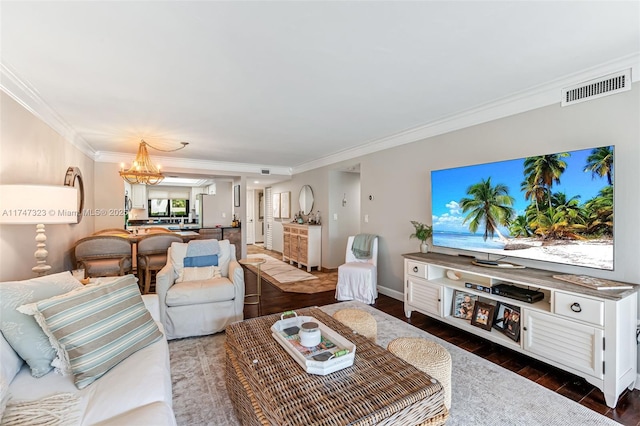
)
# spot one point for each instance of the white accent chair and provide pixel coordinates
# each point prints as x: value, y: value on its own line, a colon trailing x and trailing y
x: 200, y: 306
x: 358, y: 278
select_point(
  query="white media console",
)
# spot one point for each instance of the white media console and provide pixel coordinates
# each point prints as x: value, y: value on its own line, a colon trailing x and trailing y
x: 590, y: 333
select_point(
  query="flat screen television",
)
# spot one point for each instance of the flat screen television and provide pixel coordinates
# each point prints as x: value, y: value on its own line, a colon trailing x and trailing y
x: 553, y: 207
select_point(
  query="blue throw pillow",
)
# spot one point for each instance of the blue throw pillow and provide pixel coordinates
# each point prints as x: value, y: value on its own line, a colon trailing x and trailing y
x: 197, y: 261
x: 22, y: 331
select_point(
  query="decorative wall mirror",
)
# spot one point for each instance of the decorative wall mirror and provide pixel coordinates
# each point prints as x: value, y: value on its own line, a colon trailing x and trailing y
x: 306, y: 199
x: 73, y: 178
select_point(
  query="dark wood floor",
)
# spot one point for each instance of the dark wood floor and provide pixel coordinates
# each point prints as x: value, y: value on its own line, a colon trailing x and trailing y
x: 627, y: 411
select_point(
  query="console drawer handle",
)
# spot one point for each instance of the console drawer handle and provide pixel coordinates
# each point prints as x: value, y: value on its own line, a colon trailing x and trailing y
x: 415, y: 269
x: 576, y: 307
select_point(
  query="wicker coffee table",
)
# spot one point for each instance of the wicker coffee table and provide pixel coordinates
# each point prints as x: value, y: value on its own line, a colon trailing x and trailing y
x: 267, y: 387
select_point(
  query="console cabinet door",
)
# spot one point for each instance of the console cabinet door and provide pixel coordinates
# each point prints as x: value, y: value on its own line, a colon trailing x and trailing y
x: 424, y: 296
x: 286, y: 249
x: 303, y: 249
x: 567, y: 342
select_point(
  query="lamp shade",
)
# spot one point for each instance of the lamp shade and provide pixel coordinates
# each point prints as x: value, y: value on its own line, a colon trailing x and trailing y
x: 38, y: 204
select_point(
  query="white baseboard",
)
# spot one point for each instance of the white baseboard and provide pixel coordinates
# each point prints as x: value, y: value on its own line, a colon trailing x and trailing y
x: 638, y: 382
x: 391, y: 293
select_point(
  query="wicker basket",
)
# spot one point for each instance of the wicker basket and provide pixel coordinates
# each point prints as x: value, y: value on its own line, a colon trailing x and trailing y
x: 426, y: 356
x: 359, y: 321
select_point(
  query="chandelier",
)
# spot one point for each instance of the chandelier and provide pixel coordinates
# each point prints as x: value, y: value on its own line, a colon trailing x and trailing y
x: 142, y: 170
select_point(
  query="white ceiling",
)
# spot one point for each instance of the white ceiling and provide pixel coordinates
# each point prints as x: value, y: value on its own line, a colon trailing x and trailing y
x: 288, y: 84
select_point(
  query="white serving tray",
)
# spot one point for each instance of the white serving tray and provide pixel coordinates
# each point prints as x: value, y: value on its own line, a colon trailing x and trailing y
x: 344, y: 351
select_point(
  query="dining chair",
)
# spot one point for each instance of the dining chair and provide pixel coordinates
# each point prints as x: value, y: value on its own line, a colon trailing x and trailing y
x: 152, y: 255
x: 103, y: 255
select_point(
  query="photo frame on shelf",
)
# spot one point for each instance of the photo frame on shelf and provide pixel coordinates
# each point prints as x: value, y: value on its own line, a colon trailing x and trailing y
x: 276, y: 206
x: 483, y: 315
x: 512, y: 327
x: 463, y: 304
x: 236, y: 195
x: 285, y: 205
x: 502, y: 315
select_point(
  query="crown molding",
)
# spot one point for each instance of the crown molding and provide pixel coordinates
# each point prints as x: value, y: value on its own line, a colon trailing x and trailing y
x: 172, y: 163
x: 535, y: 97
x: 26, y: 95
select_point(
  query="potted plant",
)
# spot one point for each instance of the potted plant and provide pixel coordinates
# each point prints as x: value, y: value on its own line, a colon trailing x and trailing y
x: 423, y: 233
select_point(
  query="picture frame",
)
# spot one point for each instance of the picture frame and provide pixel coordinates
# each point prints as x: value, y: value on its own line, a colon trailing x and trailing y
x: 276, y: 206
x: 509, y: 325
x: 236, y: 195
x: 463, y: 304
x: 483, y: 314
x: 285, y: 205
x: 502, y: 315
x: 261, y: 205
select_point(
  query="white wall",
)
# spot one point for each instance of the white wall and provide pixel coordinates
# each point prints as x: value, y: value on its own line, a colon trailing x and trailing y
x: 343, y: 219
x: 219, y: 207
x: 109, y: 196
x: 33, y: 153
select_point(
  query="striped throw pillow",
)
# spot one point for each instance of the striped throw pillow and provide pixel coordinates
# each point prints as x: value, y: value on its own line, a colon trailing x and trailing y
x: 96, y: 327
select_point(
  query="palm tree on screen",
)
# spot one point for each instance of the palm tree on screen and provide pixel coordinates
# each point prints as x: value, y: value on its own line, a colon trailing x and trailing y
x: 488, y: 205
x: 545, y: 170
x: 533, y: 190
x: 570, y: 207
x: 520, y: 227
x: 600, y: 212
x: 554, y: 223
x: 600, y: 163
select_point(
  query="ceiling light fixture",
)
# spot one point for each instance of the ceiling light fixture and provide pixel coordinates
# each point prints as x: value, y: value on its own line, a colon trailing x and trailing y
x: 142, y: 170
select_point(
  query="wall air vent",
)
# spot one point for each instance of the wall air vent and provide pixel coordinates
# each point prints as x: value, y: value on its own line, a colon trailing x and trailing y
x: 597, y: 88
x: 265, y: 171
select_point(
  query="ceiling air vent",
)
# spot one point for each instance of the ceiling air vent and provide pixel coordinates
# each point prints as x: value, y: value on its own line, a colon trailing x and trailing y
x: 597, y: 88
x: 265, y: 172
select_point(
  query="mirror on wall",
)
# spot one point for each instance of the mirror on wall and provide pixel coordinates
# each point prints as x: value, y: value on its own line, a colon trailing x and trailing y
x: 306, y: 199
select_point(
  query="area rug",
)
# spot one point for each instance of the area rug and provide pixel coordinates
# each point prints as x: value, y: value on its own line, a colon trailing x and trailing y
x: 482, y: 393
x: 282, y: 272
x: 290, y: 278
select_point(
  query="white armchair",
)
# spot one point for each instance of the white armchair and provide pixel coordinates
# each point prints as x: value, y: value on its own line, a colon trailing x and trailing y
x: 192, y: 306
x: 358, y: 278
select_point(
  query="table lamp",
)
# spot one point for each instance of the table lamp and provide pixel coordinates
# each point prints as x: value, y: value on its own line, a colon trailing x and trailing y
x: 38, y: 205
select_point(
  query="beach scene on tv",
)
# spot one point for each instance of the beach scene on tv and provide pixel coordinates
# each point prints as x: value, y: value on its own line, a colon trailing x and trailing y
x: 554, y: 208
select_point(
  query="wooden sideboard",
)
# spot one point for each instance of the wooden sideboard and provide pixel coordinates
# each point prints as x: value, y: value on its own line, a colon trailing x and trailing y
x: 302, y: 245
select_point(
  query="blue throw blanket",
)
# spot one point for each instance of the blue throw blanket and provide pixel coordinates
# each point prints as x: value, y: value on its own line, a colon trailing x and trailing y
x: 362, y: 246
x: 202, y: 253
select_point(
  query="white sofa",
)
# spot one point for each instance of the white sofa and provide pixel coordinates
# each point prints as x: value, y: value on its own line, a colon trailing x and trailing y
x: 197, y: 307
x: 137, y: 391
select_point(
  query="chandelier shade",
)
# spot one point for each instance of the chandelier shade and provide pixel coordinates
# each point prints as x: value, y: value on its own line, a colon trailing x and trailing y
x: 142, y: 170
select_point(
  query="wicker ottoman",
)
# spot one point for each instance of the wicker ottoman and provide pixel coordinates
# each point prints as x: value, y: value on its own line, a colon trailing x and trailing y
x: 360, y: 321
x: 427, y: 356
